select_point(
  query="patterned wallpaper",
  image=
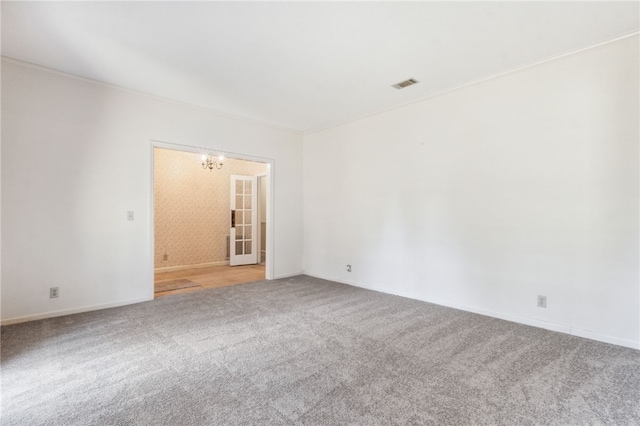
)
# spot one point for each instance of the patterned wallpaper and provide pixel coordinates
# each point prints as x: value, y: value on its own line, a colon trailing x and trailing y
x: 192, y: 216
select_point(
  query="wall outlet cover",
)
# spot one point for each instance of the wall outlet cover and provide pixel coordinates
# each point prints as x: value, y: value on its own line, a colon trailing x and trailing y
x: 542, y: 301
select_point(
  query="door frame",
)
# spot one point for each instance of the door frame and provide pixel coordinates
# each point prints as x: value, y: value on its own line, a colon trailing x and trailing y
x: 260, y: 178
x: 270, y: 162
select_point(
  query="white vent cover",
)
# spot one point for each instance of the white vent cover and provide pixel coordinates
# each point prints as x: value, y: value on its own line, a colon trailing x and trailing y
x: 405, y: 83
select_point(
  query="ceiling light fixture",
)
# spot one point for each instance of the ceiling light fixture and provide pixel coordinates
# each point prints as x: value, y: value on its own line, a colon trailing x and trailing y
x: 208, y: 163
x: 405, y: 83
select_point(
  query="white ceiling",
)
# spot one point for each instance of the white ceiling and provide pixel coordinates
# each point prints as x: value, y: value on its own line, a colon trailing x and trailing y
x: 301, y: 65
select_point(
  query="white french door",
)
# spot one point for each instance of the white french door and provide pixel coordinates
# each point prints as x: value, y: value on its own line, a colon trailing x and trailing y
x: 244, y: 244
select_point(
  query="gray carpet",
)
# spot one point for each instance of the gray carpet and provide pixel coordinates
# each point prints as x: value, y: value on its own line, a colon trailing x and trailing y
x: 307, y: 351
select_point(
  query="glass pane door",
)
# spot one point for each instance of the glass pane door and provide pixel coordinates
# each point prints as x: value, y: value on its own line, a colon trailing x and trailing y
x: 243, y: 219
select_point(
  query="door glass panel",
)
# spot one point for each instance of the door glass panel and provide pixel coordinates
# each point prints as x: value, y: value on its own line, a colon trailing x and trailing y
x: 242, y: 192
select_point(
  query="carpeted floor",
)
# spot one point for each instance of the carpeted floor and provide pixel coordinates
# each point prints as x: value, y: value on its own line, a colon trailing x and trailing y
x: 307, y: 351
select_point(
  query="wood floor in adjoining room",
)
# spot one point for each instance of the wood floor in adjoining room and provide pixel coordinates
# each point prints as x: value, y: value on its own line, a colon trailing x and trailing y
x: 210, y: 277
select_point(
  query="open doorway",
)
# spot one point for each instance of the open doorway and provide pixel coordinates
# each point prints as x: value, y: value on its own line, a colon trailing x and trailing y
x: 194, y: 222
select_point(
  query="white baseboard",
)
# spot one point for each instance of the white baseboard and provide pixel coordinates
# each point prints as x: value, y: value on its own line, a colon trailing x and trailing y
x: 63, y: 312
x: 587, y: 334
x: 199, y: 265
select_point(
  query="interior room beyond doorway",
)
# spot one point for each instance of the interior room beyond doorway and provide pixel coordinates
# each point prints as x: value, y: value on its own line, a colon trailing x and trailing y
x: 196, y: 222
x: 195, y: 279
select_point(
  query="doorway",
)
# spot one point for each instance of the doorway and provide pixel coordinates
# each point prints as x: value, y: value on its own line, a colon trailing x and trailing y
x: 192, y: 221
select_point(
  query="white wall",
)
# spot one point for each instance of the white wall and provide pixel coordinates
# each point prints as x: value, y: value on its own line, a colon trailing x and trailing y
x: 76, y: 157
x: 485, y: 197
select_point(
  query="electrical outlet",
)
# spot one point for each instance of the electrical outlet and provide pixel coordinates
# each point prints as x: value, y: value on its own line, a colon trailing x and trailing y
x: 542, y: 301
x: 348, y: 268
x: 129, y: 215
x: 54, y: 292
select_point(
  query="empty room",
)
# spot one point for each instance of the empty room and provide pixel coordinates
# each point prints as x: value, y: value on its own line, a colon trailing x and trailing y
x: 426, y: 213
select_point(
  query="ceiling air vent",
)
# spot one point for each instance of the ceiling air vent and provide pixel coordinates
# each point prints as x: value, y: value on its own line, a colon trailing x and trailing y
x: 405, y: 83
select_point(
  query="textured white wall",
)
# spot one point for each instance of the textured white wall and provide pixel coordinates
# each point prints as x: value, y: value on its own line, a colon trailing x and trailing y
x: 76, y: 157
x: 485, y: 197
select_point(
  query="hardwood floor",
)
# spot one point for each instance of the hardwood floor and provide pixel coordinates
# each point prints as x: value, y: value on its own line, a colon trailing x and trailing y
x: 211, y: 277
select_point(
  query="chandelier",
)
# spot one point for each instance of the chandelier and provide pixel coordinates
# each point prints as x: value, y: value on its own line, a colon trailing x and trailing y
x: 208, y: 163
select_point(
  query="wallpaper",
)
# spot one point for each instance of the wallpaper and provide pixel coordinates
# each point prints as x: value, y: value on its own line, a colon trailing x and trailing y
x: 192, y: 216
